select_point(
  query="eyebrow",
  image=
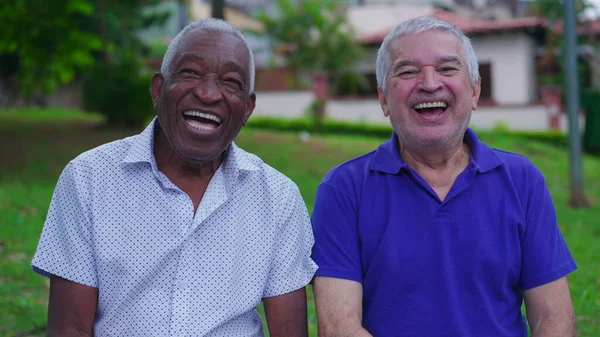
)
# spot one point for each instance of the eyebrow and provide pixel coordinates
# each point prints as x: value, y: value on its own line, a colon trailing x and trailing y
x: 449, y: 59
x: 189, y: 57
x: 402, y: 63
x: 409, y: 62
x: 229, y: 65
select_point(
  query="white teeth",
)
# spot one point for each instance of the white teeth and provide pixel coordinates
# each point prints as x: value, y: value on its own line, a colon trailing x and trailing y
x: 200, y: 126
x: 203, y: 115
x: 431, y: 105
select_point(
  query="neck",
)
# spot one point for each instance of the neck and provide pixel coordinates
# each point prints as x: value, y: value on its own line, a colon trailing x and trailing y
x: 175, y: 167
x: 438, y: 165
x: 435, y: 157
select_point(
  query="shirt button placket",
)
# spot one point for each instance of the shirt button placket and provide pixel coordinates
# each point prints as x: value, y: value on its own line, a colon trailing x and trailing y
x: 179, y: 309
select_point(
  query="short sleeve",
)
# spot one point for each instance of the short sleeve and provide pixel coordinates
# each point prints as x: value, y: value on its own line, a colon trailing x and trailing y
x: 292, y: 267
x: 337, y: 243
x: 545, y: 256
x: 65, y: 247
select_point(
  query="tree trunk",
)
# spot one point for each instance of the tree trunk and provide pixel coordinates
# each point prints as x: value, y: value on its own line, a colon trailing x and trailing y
x: 218, y: 9
x: 101, y: 17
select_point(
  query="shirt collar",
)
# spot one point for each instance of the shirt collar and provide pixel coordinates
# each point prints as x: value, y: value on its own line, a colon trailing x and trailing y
x: 141, y: 150
x: 387, y: 157
x: 483, y: 158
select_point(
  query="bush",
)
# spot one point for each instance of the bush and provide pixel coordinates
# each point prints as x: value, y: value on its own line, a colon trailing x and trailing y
x: 590, y: 101
x: 556, y: 138
x: 122, y: 96
x: 327, y: 126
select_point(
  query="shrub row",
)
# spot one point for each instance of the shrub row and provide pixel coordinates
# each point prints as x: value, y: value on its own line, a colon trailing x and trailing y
x: 383, y: 131
x: 327, y: 126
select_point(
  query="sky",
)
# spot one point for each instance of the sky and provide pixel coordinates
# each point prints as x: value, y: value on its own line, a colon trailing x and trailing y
x: 594, y: 12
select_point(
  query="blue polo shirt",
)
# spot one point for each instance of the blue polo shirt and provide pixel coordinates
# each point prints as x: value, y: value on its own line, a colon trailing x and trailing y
x: 428, y: 267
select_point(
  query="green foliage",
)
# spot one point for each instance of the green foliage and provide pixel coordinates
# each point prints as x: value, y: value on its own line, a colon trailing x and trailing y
x: 590, y: 101
x: 122, y: 96
x: 122, y: 21
x: 45, y: 42
x: 553, y: 12
x: 316, y: 39
x: 118, y: 85
x: 313, y: 34
x: 326, y: 126
x: 337, y: 127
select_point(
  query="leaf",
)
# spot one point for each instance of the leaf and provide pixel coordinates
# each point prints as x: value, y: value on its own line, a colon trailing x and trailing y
x: 80, y: 7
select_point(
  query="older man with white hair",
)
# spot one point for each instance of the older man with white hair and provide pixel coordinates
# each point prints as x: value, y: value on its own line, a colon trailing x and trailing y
x: 434, y: 233
x: 177, y: 231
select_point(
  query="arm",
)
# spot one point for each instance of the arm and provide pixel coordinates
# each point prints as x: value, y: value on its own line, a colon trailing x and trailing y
x: 339, y: 307
x: 286, y: 314
x: 550, y: 311
x: 71, y: 308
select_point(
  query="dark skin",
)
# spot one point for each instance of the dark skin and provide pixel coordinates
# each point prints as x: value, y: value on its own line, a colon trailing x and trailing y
x: 71, y: 308
x: 210, y: 75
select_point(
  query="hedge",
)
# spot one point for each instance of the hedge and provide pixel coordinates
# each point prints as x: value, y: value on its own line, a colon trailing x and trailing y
x: 328, y: 126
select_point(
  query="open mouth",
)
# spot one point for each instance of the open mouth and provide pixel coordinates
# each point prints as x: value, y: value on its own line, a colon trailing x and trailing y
x: 431, y: 107
x: 201, y: 121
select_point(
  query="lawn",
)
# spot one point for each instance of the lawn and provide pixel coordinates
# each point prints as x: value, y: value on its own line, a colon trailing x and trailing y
x: 35, y: 146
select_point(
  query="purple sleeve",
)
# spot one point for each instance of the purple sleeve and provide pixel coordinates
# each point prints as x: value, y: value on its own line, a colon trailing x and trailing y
x: 545, y: 256
x: 337, y: 244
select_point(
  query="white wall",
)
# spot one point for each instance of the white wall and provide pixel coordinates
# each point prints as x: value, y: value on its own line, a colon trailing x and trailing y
x: 293, y: 104
x: 512, y: 60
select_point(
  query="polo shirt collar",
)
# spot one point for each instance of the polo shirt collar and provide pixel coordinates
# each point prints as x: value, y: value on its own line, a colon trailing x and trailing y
x: 387, y: 157
x: 141, y: 150
x: 483, y: 158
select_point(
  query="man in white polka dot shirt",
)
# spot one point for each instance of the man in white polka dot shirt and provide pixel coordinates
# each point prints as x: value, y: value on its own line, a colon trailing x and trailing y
x: 176, y: 231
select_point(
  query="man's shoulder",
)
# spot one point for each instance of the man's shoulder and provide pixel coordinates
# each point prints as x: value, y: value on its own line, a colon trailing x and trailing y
x: 108, y: 154
x: 355, y: 168
x: 270, y: 176
x: 518, y: 164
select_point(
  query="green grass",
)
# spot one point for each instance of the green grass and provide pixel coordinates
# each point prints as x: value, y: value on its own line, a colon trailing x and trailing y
x: 35, y: 145
x: 35, y: 115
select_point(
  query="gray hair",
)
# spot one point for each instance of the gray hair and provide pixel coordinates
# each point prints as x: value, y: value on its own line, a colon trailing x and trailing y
x: 210, y: 25
x: 417, y: 26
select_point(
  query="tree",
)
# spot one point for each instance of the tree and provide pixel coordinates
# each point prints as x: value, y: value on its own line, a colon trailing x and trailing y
x: 46, y: 42
x: 117, y: 87
x: 218, y: 9
x: 315, y: 38
x: 553, y: 11
x: 570, y: 11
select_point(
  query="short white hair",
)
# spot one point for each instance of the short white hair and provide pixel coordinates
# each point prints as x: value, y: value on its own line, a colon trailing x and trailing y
x: 207, y: 25
x: 417, y: 26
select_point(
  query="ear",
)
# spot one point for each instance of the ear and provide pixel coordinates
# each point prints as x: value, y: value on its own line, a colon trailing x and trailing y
x: 156, y: 86
x: 383, y: 101
x: 476, y: 93
x: 250, y: 105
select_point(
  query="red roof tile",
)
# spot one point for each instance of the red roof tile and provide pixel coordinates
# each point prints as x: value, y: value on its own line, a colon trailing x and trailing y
x: 467, y: 25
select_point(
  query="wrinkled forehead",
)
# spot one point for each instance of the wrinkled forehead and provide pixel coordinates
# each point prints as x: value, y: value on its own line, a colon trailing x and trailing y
x: 208, y: 44
x: 436, y: 43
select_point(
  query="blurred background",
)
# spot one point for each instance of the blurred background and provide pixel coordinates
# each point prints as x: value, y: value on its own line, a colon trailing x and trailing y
x: 75, y: 74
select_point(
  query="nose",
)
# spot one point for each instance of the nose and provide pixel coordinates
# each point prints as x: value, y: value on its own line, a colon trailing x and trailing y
x: 429, y: 79
x: 208, y: 91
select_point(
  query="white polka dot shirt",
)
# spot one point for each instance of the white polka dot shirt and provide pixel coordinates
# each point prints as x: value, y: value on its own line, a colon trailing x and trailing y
x: 117, y: 223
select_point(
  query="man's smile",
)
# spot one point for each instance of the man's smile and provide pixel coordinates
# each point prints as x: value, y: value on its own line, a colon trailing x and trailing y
x: 201, y: 121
